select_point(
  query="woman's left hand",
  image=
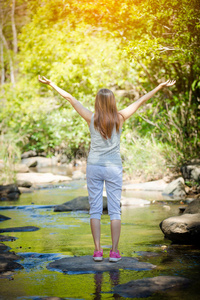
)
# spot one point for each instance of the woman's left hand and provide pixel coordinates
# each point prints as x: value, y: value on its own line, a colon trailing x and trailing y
x: 44, y: 80
x: 167, y: 83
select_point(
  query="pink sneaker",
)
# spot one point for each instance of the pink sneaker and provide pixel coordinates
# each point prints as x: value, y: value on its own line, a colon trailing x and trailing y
x: 98, y: 255
x: 114, y: 256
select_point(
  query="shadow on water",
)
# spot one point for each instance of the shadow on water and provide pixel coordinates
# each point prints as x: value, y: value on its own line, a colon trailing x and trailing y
x: 68, y: 234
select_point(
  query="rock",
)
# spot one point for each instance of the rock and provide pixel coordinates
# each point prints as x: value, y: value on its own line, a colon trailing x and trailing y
x: 7, y: 259
x: 19, y: 229
x: 184, y: 229
x: 40, y: 161
x: 3, y: 218
x: 85, y: 264
x: 9, y: 256
x: 9, y: 265
x: 24, y: 190
x: 191, y: 171
x: 146, y: 287
x: 30, y: 162
x: 156, y: 185
x: 21, y: 168
x: 193, y: 207
x: 30, y: 153
x: 78, y: 175
x: 41, y: 178
x: 23, y: 183
x: 49, y: 298
x: 3, y: 248
x: 6, y: 238
x: 9, y: 192
x: 134, y: 202
x: 79, y: 203
x: 175, y: 188
x: 182, y: 209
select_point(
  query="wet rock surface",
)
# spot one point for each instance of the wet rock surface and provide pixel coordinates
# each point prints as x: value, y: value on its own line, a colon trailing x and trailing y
x: 3, y: 218
x: 184, y: 229
x: 79, y: 203
x: 48, y: 298
x: 19, y: 229
x: 85, y: 264
x: 6, y: 238
x: 8, y: 260
x: 193, y: 207
x: 9, y: 192
x: 146, y: 287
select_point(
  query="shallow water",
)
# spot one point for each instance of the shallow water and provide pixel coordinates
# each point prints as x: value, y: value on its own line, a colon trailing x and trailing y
x: 68, y: 234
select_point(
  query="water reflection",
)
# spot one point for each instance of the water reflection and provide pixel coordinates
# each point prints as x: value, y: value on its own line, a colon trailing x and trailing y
x: 98, y: 280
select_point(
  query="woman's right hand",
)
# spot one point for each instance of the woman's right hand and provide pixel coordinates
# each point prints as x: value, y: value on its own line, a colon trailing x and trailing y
x: 44, y: 80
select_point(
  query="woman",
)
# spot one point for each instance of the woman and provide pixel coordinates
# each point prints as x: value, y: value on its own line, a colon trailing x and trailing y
x: 104, y: 161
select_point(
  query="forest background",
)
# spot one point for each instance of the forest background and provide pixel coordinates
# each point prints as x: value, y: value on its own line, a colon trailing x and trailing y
x: 128, y: 46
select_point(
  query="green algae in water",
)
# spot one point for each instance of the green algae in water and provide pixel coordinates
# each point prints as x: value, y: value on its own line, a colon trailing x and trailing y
x: 68, y: 233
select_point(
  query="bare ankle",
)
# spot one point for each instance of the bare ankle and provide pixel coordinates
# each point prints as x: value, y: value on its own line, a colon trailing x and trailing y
x: 114, y: 250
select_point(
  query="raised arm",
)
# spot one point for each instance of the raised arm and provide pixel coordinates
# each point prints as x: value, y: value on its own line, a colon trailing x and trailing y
x: 128, y: 111
x: 82, y: 111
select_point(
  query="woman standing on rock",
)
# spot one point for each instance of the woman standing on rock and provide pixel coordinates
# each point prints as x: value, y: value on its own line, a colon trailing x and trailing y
x: 104, y: 160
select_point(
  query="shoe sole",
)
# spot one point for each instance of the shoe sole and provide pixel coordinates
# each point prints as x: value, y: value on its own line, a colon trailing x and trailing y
x: 98, y: 258
x: 111, y: 259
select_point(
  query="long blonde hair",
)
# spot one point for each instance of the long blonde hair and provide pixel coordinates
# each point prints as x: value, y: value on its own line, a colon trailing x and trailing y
x: 106, y: 115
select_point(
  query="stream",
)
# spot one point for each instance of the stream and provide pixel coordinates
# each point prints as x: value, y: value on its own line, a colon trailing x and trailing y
x: 64, y: 234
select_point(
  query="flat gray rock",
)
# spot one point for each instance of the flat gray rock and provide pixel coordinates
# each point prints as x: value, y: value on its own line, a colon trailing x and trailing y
x: 79, y: 203
x: 146, y: 287
x: 156, y: 185
x: 19, y: 229
x: 86, y: 264
x: 42, y: 178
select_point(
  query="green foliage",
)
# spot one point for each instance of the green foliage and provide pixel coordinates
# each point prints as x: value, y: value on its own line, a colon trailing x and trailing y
x: 86, y: 45
x: 88, y: 61
x: 9, y: 156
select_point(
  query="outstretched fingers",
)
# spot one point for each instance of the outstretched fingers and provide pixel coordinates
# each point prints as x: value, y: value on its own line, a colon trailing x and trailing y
x: 43, y: 79
x: 171, y: 82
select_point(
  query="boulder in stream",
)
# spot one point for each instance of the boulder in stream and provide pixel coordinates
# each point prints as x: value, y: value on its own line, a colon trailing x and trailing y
x: 79, y: 203
x: 7, y: 260
x: 193, y: 207
x: 146, y: 287
x: 9, y: 192
x: 39, y: 161
x: 184, y: 229
x: 175, y: 188
x: 191, y: 171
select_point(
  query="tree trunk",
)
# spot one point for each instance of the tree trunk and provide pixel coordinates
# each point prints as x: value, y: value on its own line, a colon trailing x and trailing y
x: 14, y: 27
x: 12, y: 77
x: 2, y: 66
